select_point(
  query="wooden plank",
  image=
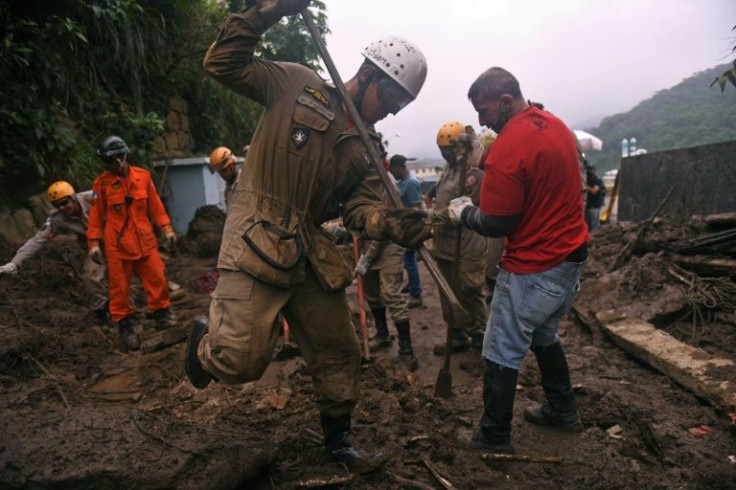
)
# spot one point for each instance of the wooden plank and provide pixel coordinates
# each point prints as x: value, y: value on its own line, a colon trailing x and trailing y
x: 708, y: 376
x: 707, y: 266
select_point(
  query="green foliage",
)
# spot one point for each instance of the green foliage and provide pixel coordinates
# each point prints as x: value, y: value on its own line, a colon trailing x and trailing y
x: 689, y: 114
x: 75, y: 71
x: 730, y: 74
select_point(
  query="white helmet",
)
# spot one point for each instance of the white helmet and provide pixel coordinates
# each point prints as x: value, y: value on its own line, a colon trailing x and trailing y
x: 401, y: 60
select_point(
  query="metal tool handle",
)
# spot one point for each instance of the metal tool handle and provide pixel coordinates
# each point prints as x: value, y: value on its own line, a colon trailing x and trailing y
x: 388, y: 185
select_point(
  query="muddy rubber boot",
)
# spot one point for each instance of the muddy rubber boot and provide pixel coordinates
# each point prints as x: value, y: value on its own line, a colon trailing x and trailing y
x: 128, y: 338
x: 406, y: 351
x: 560, y: 410
x: 382, y: 340
x: 336, y: 432
x: 164, y: 319
x: 102, y: 319
x: 499, y: 391
x: 460, y: 343
x: 193, y: 367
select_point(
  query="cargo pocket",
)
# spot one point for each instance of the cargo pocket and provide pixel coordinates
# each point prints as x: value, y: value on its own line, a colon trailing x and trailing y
x: 231, y: 313
x: 541, y: 301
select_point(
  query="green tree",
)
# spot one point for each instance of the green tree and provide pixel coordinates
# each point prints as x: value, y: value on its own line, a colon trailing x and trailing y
x: 730, y: 74
x: 76, y: 70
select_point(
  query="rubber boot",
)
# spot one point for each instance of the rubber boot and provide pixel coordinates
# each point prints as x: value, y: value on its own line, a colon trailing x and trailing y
x: 128, y: 338
x: 192, y: 365
x: 102, y: 318
x: 499, y: 391
x: 164, y: 319
x: 560, y: 410
x: 382, y: 340
x: 406, y: 351
x: 460, y: 343
x: 336, y: 431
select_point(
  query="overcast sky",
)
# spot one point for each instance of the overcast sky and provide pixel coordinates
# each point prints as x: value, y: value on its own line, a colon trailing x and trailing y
x: 584, y: 59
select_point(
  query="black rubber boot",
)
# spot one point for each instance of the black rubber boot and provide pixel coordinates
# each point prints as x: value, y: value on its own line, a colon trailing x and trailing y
x: 406, y: 351
x: 499, y: 391
x: 102, y: 318
x: 128, y: 338
x: 336, y: 431
x: 382, y: 340
x: 193, y: 367
x: 560, y: 410
x: 164, y: 319
x: 460, y: 343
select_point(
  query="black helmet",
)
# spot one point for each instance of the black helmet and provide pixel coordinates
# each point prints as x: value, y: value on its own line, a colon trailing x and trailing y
x: 112, y: 146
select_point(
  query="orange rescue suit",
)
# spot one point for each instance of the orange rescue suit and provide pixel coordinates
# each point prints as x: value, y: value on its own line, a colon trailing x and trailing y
x: 121, y: 214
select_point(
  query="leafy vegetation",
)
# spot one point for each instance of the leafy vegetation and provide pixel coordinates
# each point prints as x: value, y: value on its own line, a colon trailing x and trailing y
x: 730, y: 74
x: 74, y: 71
x: 692, y: 113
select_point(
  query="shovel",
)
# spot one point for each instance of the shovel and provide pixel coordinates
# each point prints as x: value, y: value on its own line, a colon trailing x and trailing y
x: 443, y: 388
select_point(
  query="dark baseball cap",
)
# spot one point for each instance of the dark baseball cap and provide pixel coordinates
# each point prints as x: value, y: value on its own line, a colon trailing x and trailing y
x: 398, y: 161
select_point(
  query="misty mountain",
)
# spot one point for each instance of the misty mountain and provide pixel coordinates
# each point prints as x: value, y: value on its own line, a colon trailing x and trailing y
x: 689, y: 114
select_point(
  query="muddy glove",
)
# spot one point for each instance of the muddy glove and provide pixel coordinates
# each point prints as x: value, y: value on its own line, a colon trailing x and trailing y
x: 94, y: 251
x: 9, y: 268
x: 273, y: 10
x: 408, y: 227
x: 170, y: 237
x: 468, y: 148
x: 363, y: 265
x: 456, y: 207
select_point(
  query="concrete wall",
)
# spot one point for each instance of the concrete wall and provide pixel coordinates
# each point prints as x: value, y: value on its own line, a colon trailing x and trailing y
x: 704, y: 178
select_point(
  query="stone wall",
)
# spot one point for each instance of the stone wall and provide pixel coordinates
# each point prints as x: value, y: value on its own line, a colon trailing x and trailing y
x: 177, y: 139
x: 703, y: 177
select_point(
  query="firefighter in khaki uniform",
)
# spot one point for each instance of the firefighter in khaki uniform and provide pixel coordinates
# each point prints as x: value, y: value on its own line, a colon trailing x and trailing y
x: 69, y: 216
x: 471, y: 270
x: 222, y: 161
x: 305, y: 166
x: 125, y: 201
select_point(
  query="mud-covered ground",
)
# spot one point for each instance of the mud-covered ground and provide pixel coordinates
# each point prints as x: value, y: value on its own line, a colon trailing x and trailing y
x: 77, y: 413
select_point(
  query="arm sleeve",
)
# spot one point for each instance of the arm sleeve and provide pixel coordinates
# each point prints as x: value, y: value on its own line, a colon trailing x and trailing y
x: 488, y: 225
x: 155, y: 207
x: 231, y: 61
x: 96, y: 217
x: 364, y: 196
x: 373, y: 249
x: 34, y: 244
x: 414, y: 193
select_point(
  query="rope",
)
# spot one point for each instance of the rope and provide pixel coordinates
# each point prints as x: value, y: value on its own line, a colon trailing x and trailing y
x: 704, y: 296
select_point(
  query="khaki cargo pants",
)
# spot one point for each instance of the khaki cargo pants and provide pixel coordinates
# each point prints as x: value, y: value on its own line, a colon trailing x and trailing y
x: 469, y: 289
x: 244, y: 327
x: 383, y: 288
x: 94, y: 276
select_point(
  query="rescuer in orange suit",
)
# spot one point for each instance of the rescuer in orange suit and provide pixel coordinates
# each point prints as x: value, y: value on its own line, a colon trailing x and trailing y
x: 124, y: 203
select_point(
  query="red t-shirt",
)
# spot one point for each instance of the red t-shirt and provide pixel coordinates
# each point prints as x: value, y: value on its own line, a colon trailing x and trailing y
x: 532, y: 169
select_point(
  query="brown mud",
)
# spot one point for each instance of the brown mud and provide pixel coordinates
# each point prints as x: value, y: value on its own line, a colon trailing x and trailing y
x: 77, y: 413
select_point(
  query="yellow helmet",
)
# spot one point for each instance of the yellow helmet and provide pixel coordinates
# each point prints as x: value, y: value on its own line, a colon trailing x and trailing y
x: 449, y: 133
x: 59, y: 190
x: 220, y: 158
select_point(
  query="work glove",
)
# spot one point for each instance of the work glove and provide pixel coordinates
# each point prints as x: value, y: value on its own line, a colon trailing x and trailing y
x: 9, y: 268
x: 468, y: 148
x: 408, y: 227
x: 170, y: 237
x: 95, y: 254
x: 273, y: 10
x: 363, y: 265
x: 456, y: 207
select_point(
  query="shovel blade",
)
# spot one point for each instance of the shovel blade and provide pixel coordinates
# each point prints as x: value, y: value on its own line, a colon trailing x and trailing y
x: 443, y: 388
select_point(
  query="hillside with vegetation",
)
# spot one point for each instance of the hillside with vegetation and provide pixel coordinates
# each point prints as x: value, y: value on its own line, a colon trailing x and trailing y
x: 693, y: 112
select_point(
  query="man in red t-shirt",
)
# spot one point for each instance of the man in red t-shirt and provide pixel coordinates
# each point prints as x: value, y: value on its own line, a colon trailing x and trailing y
x: 531, y: 195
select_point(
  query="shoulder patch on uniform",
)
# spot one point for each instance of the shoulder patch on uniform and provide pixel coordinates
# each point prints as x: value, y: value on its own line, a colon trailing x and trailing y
x: 299, y: 136
x: 47, y: 223
x: 116, y: 185
x: 317, y: 95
